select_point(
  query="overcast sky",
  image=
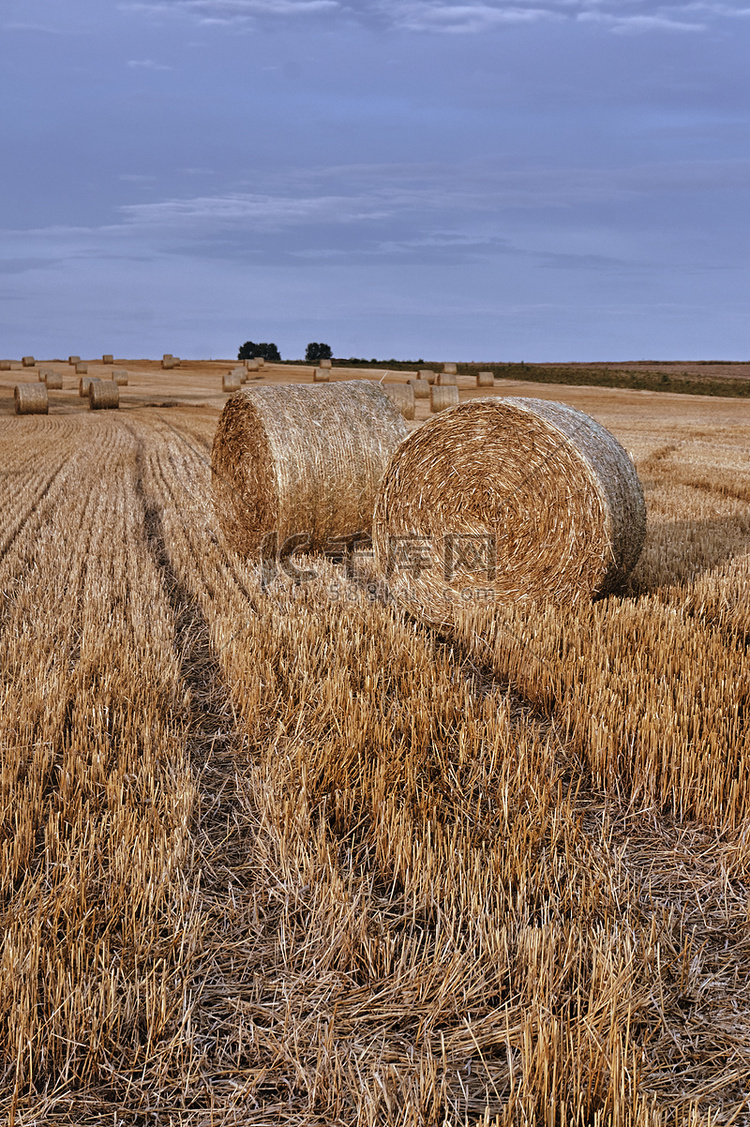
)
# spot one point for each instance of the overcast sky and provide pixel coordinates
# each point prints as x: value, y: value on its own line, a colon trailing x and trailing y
x: 438, y: 179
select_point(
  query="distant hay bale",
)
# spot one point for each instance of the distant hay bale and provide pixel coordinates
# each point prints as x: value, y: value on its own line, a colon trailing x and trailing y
x: 442, y: 397
x: 447, y: 379
x: 302, y: 460
x: 449, y: 369
x: 74, y: 359
x: 485, y: 379
x: 261, y: 361
x: 403, y: 397
x: 81, y: 368
x: 31, y: 399
x: 507, y: 500
x: 120, y: 376
x: 168, y: 361
x: 103, y: 395
x: 5, y: 365
x: 321, y: 375
x: 426, y: 374
x: 53, y: 380
x: 83, y: 386
x: 231, y: 381
x: 252, y: 365
x: 41, y: 374
x: 28, y: 361
x: 421, y: 388
x: 16, y: 365
x: 240, y: 372
x: 325, y: 363
x: 108, y: 358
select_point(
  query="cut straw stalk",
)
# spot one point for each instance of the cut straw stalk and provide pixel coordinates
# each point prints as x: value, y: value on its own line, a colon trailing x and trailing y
x: 441, y: 397
x: 513, y: 498
x: 31, y: 399
x: 302, y: 460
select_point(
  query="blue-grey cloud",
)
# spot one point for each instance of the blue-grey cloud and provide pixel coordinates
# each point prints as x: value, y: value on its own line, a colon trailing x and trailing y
x: 634, y: 16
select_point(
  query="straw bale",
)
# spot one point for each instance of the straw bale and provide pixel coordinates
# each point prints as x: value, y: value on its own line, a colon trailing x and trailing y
x: 5, y: 365
x: 427, y: 374
x: 28, y: 361
x: 321, y: 375
x: 108, y: 358
x: 485, y: 379
x: 41, y: 374
x: 507, y: 500
x: 83, y: 386
x: 261, y: 361
x: 16, y: 366
x: 442, y: 397
x: 449, y: 369
x: 403, y: 397
x: 231, y: 381
x: 302, y: 460
x: 31, y: 399
x: 103, y: 394
x: 325, y: 363
x: 74, y: 359
x: 421, y: 388
x: 447, y: 379
x: 252, y: 365
x: 168, y: 362
x: 120, y: 376
x: 81, y: 368
x: 53, y: 380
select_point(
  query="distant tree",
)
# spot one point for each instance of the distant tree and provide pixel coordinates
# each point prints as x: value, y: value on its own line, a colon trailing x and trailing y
x: 252, y: 351
x: 315, y: 352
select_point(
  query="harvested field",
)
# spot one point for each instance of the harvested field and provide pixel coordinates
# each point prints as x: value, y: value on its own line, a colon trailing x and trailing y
x: 275, y: 853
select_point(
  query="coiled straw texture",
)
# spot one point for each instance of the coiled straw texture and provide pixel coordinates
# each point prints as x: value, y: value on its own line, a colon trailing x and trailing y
x: 302, y: 460
x: 31, y: 399
x: 507, y: 500
x: 103, y: 395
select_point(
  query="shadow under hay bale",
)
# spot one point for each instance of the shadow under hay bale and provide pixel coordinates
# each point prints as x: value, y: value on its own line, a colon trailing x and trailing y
x: 508, y: 499
x: 301, y: 460
x: 103, y: 395
x: 442, y: 397
x: 31, y: 399
x: 120, y: 376
x: 421, y: 388
x: 403, y: 397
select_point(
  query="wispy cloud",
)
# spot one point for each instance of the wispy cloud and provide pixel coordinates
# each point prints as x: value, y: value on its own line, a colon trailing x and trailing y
x: 444, y: 16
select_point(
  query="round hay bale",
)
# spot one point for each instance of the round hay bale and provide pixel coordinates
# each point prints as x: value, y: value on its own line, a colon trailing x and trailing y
x: 74, y: 359
x: 251, y: 365
x: 442, y: 397
x: 302, y: 460
x: 231, y: 381
x: 4, y: 365
x: 83, y: 386
x: 421, y: 388
x: 450, y: 369
x: 168, y: 362
x: 321, y: 375
x: 120, y: 376
x: 403, y: 397
x: 31, y: 399
x: 485, y: 379
x: 108, y: 358
x: 507, y: 500
x: 325, y: 363
x: 28, y: 361
x: 427, y: 374
x: 103, y: 395
x: 81, y: 368
x: 447, y: 379
x: 53, y: 380
x: 41, y: 374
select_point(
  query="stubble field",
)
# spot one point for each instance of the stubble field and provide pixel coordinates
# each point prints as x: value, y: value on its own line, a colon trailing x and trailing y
x: 282, y: 855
